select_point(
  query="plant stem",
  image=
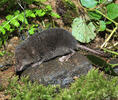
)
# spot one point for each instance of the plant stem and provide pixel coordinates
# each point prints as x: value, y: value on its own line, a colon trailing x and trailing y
x: 109, y: 37
x: 113, y: 65
x: 113, y: 52
x: 106, y: 17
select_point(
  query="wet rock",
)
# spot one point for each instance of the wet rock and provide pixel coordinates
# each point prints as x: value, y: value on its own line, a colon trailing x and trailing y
x: 55, y: 72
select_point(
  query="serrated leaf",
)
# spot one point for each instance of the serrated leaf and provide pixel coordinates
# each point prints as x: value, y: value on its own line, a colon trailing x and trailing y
x: 2, y: 30
x: 112, y: 10
x: 29, y: 13
x: 32, y: 15
x: 31, y: 31
x: 9, y: 17
x: 82, y: 31
x: 21, y: 18
x: 89, y: 3
x: 102, y: 26
x: 7, y: 26
x: 54, y: 15
x: 15, y: 23
x: 40, y: 13
x: 94, y: 15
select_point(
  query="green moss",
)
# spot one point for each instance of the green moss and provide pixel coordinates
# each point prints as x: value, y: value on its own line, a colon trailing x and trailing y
x: 93, y: 86
x: 25, y: 90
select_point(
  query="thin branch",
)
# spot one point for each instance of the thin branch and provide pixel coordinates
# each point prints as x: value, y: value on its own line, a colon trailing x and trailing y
x: 109, y: 37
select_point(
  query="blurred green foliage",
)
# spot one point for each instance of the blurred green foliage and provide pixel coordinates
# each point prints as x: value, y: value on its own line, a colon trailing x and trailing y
x: 21, y: 20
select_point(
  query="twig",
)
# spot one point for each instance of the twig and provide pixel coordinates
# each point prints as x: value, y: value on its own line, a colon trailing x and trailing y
x: 106, y: 17
x: 109, y: 37
x: 113, y: 52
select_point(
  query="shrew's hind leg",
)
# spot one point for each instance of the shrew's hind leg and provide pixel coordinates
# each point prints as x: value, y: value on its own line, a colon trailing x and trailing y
x: 65, y: 58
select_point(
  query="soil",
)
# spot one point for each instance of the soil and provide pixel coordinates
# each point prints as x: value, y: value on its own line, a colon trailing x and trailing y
x: 7, y: 72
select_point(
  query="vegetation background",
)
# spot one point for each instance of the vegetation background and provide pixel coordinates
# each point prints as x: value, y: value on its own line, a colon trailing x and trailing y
x: 92, y: 22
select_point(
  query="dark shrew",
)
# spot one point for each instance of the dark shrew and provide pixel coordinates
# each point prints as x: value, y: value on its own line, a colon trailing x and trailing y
x: 46, y: 45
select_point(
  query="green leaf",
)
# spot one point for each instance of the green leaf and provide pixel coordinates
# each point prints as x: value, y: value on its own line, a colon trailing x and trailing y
x: 6, y: 25
x: 40, y: 12
x: 16, y: 12
x: 2, y: 53
x: 54, y: 15
x: 15, y: 23
x: 21, y: 17
x: 11, y: 30
x: 102, y: 26
x: 32, y: 15
x: 31, y: 31
x: 89, y: 3
x: 26, y: 22
x: 48, y: 7
x: 97, y: 61
x: 108, y: 22
x: 102, y: 63
x: 2, y: 30
x: 29, y: 13
x: 82, y: 31
x: 9, y: 17
x: 94, y: 15
x: 112, y: 10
